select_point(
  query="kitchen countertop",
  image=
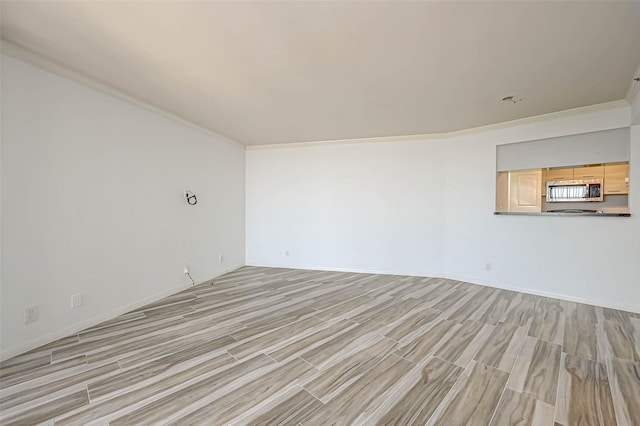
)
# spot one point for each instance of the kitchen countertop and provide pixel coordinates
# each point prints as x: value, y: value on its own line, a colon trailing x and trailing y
x: 562, y: 214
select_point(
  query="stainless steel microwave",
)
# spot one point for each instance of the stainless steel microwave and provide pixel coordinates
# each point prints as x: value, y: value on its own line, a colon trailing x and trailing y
x: 574, y: 190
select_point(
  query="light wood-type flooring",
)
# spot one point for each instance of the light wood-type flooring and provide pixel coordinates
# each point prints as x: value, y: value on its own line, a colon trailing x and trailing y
x: 274, y: 346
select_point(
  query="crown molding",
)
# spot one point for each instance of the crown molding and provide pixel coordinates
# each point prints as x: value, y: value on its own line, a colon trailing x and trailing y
x: 634, y: 87
x: 24, y: 55
x: 474, y: 130
x: 16, y: 52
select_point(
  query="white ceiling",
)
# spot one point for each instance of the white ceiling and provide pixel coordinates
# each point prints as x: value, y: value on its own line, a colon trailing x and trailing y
x: 278, y: 72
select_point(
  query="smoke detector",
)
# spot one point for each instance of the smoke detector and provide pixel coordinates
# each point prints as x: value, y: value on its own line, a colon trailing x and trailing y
x: 514, y: 99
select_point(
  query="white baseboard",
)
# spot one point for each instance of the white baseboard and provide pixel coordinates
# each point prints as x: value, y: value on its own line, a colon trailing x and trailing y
x: 620, y: 306
x: 76, y: 328
x: 355, y: 270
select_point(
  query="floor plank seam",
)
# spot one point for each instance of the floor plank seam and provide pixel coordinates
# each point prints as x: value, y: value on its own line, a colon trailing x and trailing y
x: 229, y: 353
x: 271, y: 358
x: 495, y: 410
x: 342, y: 322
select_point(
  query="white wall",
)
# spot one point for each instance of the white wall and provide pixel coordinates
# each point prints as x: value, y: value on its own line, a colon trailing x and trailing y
x: 426, y: 208
x: 635, y: 105
x: 92, y: 203
x: 356, y: 207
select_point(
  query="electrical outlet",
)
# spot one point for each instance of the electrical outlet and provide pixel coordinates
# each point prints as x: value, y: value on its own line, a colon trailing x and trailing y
x: 186, y: 270
x: 30, y: 314
x: 487, y: 266
x: 76, y: 300
x: 221, y: 258
x: 286, y: 253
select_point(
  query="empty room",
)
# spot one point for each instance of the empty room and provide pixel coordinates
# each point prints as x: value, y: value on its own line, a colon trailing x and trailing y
x: 320, y: 212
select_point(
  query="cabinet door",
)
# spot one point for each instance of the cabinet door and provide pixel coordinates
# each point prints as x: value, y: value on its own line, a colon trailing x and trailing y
x: 524, y: 191
x: 502, y: 192
x: 559, y: 174
x: 615, y: 176
x: 592, y: 172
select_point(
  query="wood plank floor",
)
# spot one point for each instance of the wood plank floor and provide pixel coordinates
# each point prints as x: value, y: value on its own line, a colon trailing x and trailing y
x: 282, y: 346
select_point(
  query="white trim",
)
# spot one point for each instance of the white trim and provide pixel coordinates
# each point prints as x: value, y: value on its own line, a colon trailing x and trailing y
x: 51, y: 337
x: 355, y: 270
x: 473, y: 130
x: 620, y: 306
x: 634, y: 99
x: 60, y: 70
x: 634, y: 87
x: 17, y: 52
x: 76, y: 328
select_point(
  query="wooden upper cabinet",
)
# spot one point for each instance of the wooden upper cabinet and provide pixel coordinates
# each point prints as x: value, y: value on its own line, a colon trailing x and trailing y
x: 502, y: 192
x: 586, y: 172
x: 615, y: 179
x: 559, y: 174
x: 589, y: 172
